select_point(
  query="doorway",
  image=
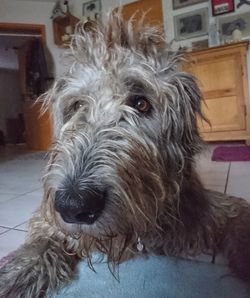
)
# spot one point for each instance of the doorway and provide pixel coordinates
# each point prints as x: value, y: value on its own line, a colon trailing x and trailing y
x: 23, y: 77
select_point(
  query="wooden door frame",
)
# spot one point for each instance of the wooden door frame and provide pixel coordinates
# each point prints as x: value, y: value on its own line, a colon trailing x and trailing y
x: 19, y: 27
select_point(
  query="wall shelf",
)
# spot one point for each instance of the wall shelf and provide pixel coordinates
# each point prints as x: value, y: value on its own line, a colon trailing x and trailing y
x: 63, y: 27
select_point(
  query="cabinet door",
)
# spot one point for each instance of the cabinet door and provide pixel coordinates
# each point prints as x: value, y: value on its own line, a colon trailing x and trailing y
x: 221, y: 78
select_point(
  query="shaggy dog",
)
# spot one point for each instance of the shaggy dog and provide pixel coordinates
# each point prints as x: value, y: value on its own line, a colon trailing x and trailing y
x: 121, y: 177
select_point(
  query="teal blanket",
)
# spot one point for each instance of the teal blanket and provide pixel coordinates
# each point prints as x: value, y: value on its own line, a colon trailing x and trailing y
x: 155, y: 277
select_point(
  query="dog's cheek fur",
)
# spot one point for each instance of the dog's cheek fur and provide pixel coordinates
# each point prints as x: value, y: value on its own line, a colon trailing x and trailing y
x: 145, y: 190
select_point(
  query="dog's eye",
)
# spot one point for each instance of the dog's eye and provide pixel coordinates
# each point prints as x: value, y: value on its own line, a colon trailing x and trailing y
x: 77, y: 105
x: 141, y: 104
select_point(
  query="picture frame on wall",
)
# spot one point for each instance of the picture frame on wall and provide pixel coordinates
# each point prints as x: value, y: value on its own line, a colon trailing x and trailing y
x: 183, y: 3
x: 228, y: 24
x: 191, y: 24
x: 220, y: 7
x: 91, y: 10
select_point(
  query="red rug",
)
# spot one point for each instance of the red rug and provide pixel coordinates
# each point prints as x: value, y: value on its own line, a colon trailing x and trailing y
x: 231, y: 153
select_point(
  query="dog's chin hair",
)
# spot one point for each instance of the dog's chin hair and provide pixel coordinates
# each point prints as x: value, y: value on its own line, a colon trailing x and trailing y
x: 73, y: 229
x: 97, y: 230
x: 67, y: 228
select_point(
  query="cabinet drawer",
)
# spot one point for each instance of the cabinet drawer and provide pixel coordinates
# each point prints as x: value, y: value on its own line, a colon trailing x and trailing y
x: 224, y: 114
x: 219, y: 73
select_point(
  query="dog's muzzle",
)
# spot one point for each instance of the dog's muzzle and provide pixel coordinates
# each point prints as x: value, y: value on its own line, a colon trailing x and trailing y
x: 79, y: 207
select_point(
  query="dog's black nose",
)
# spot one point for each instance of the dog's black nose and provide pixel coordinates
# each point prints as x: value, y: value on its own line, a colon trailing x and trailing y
x: 79, y: 207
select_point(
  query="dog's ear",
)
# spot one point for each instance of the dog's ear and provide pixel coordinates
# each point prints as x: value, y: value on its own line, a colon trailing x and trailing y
x: 182, y: 106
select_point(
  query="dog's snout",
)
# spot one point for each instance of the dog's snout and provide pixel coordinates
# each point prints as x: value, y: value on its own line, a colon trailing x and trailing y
x: 79, y: 207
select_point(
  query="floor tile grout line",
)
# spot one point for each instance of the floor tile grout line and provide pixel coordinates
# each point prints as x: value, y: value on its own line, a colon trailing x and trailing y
x: 5, y: 227
x: 20, y: 195
x: 227, y: 178
x: 14, y: 197
x: 19, y: 230
x: 30, y: 192
x: 11, y: 229
x: 14, y: 228
x: 7, y: 230
x: 20, y: 224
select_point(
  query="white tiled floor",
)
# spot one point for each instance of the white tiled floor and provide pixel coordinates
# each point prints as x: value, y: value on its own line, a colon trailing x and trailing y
x: 21, y: 192
x: 20, y: 195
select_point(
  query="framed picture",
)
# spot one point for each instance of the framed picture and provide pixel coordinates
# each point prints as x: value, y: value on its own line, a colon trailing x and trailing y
x: 228, y: 24
x: 91, y: 10
x: 191, y: 24
x: 222, y: 6
x: 183, y: 3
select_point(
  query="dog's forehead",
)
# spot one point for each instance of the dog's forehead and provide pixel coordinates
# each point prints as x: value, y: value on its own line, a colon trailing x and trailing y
x: 88, y: 77
x: 113, y: 74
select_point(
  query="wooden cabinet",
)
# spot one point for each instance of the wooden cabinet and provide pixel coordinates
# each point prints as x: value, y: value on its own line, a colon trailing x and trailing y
x: 222, y: 75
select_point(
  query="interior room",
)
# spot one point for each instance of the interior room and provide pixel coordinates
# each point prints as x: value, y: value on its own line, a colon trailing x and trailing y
x: 35, y: 37
x: 11, y: 110
x: 17, y: 95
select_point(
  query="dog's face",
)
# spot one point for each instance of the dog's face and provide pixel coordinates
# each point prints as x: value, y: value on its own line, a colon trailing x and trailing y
x: 124, y: 126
